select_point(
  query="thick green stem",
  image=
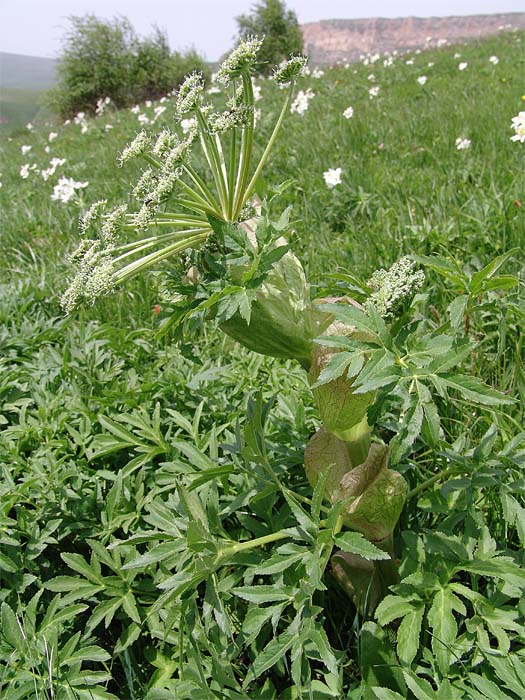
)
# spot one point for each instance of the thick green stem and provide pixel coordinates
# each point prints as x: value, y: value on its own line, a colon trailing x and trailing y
x: 246, y: 151
x: 212, y: 156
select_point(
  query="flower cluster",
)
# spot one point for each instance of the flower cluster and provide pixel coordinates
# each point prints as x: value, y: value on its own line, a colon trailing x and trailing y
x: 189, y: 93
x: 348, y: 113
x: 393, y: 286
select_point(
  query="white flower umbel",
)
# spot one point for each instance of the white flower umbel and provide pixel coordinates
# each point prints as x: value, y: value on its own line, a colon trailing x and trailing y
x: 518, y: 124
x: 348, y: 113
x: 494, y: 60
x: 463, y: 65
x: 174, y: 200
x: 422, y: 79
x: 374, y: 91
x: 393, y: 286
x: 463, y: 144
x: 332, y: 177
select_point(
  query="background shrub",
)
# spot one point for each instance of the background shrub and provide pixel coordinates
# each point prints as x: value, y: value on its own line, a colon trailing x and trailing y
x: 106, y: 58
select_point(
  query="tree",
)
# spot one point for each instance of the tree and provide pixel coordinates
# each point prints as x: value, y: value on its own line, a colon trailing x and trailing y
x: 280, y: 28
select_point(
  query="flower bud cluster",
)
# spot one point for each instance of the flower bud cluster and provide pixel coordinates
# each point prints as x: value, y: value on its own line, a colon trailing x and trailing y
x: 241, y: 60
x: 94, y: 276
x: 140, y: 144
x: 189, y: 93
x: 395, y: 285
x: 239, y: 116
x: 92, y: 215
x: 290, y: 70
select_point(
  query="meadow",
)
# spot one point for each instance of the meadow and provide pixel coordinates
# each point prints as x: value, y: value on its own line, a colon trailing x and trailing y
x: 130, y: 448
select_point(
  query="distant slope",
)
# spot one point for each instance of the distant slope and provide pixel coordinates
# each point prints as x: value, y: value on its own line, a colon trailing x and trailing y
x: 329, y: 41
x: 26, y: 72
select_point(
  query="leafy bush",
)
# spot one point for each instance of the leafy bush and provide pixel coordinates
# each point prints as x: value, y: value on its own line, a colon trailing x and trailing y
x: 106, y: 58
x: 279, y: 26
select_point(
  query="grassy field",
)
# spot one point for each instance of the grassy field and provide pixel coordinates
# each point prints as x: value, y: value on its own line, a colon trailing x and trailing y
x: 105, y: 421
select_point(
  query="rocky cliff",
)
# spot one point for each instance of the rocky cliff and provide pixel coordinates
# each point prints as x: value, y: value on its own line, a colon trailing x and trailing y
x: 336, y: 40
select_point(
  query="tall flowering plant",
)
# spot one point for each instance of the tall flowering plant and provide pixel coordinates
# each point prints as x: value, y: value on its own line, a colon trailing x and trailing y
x: 237, y: 267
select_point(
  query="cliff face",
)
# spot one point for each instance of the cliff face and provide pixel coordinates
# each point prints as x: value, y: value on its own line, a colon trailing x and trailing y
x: 330, y: 41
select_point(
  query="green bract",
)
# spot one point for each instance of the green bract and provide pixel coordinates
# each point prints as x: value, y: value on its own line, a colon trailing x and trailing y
x: 340, y: 408
x: 280, y: 322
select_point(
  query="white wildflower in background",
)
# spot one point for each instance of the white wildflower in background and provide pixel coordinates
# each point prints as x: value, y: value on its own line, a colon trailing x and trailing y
x: 348, y: 113
x: 332, y: 177
x: 518, y: 124
x: 135, y: 109
x: 494, y: 60
x: 158, y: 111
x: 371, y: 78
x: 47, y: 149
x: 108, y: 127
x: 422, y: 79
x: 52, y: 136
x: 148, y: 103
x: 430, y: 64
x: 410, y: 62
x: 29, y: 126
x: 213, y: 90
x: 25, y: 149
x: 80, y: 119
x: 457, y: 55
x: 300, y: 104
x: 257, y: 93
x: 53, y: 164
x: 463, y: 144
x: 144, y: 119
x: 317, y: 73
x: 462, y: 65
x: 26, y: 169
x: 374, y: 91
x: 393, y: 286
x: 102, y: 102
x: 66, y: 188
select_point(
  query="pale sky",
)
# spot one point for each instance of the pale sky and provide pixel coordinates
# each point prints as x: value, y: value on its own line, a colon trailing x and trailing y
x: 35, y: 27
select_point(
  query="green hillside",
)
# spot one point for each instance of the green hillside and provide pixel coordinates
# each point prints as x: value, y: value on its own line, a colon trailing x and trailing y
x: 159, y: 537
x: 23, y: 83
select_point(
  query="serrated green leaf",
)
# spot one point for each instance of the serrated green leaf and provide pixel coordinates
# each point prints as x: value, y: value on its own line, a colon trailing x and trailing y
x: 393, y: 607
x: 10, y: 629
x: 473, y: 389
x: 444, y: 628
x: 270, y: 655
x: 264, y: 594
x: 408, y: 635
x: 355, y: 543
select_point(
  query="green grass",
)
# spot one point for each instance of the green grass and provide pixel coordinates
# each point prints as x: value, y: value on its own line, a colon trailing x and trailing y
x: 68, y: 384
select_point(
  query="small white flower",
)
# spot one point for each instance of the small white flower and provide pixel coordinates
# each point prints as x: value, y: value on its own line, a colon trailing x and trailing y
x: 68, y: 121
x: 374, y: 91
x: 143, y: 119
x: 371, y: 78
x: 108, y: 127
x: 29, y: 126
x: 463, y: 144
x: 148, y: 103
x: 410, y: 62
x: 158, y: 111
x: 457, y: 55
x: 462, y: 65
x: 430, y: 64
x: 332, y: 177
x: 25, y: 149
x: 257, y: 93
x: 66, y: 188
x: 47, y: 149
x: 163, y: 100
x: 26, y: 169
x: 135, y: 109
x: 52, y: 136
x: 348, y: 113
x: 213, y: 90
x: 494, y: 60
x: 317, y: 73
x: 422, y: 79
x: 518, y: 124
